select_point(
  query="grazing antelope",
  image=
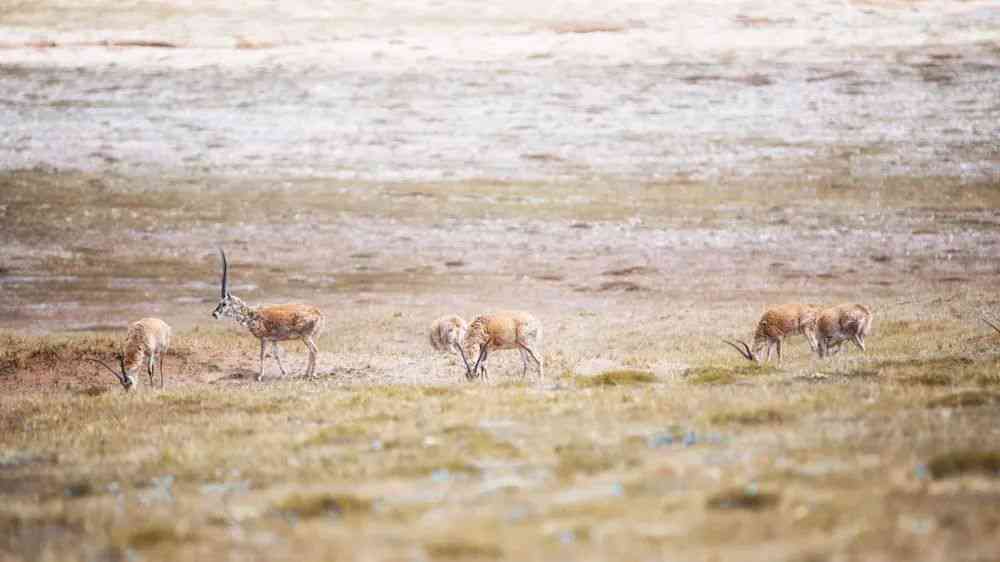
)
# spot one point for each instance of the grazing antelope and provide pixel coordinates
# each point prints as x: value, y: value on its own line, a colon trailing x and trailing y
x: 271, y: 324
x: 840, y: 323
x: 501, y: 330
x: 447, y: 333
x: 776, y: 324
x: 145, y: 344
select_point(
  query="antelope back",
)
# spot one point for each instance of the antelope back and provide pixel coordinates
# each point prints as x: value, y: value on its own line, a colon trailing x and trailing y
x: 288, y: 321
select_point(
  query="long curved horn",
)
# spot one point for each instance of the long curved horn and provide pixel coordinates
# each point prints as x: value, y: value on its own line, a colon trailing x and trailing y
x: 747, y: 354
x: 482, y: 352
x: 990, y: 324
x: 105, y: 365
x: 225, y: 273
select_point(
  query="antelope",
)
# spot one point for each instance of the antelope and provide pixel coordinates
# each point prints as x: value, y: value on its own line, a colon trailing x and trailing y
x: 447, y: 333
x: 501, y: 330
x: 273, y: 323
x: 840, y: 323
x: 145, y: 344
x: 776, y: 324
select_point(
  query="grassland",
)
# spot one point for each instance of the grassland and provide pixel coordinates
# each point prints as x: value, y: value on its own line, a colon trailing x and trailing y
x: 645, y: 178
x: 865, y: 459
x: 650, y: 439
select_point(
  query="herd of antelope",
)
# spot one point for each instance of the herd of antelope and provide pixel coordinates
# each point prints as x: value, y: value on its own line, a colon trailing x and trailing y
x: 147, y: 340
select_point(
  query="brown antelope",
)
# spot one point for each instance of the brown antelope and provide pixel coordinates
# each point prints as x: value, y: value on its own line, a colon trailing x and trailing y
x: 501, y: 330
x: 447, y: 333
x: 840, y: 323
x: 776, y: 324
x: 274, y: 323
x: 145, y: 344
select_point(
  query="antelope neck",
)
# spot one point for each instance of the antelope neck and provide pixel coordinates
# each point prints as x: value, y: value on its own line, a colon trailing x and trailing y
x: 244, y: 315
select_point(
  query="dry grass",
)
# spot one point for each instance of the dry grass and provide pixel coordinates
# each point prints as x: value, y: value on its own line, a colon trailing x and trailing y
x: 674, y: 445
x: 474, y: 471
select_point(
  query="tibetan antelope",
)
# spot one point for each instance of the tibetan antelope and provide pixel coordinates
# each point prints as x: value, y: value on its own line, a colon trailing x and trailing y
x: 990, y: 324
x: 145, y: 344
x: 841, y: 323
x: 447, y: 333
x: 501, y: 330
x: 776, y: 324
x: 274, y: 323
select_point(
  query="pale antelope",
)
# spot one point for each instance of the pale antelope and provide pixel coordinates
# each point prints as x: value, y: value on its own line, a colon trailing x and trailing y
x: 145, y: 344
x: 501, y: 330
x: 447, y: 333
x: 776, y: 324
x: 274, y: 323
x: 841, y: 323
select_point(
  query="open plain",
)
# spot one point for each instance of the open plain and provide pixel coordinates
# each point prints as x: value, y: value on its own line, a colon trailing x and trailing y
x: 646, y: 178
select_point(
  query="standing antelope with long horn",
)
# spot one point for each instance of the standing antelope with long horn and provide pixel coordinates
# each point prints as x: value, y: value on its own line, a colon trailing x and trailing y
x: 502, y: 330
x: 841, y: 323
x: 145, y: 344
x: 776, y: 324
x: 274, y: 323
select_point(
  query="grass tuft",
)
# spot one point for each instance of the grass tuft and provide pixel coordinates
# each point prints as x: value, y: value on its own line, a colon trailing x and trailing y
x: 928, y: 379
x: 154, y: 533
x: 460, y: 550
x: 760, y: 416
x: 749, y: 498
x: 315, y: 505
x: 936, y: 371
x: 586, y: 458
x: 712, y: 374
x: 617, y: 378
x: 478, y: 443
x: 965, y: 399
x: 958, y: 463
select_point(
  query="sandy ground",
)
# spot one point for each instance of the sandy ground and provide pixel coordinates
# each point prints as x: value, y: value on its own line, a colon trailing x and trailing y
x: 451, y: 90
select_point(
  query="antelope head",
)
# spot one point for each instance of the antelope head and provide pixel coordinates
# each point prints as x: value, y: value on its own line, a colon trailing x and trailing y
x: 745, y: 351
x: 990, y: 324
x: 123, y: 376
x: 227, y: 303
